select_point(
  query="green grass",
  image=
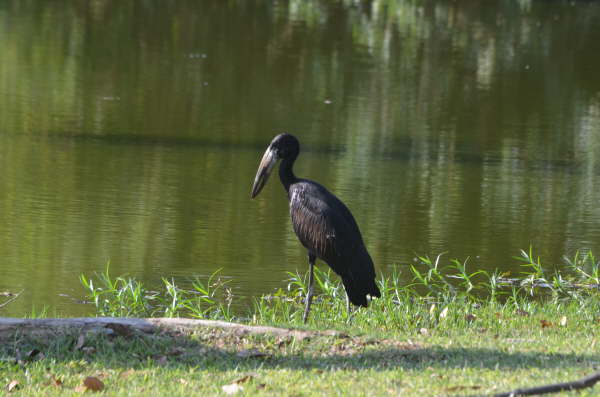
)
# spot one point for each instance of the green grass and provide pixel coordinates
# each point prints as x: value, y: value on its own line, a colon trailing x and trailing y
x: 470, y: 360
x: 452, y: 331
x: 127, y: 297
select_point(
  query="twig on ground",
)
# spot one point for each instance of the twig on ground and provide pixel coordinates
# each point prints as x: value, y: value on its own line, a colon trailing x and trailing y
x: 582, y: 383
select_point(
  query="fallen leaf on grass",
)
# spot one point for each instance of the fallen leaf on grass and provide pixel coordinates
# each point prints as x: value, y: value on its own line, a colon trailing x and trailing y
x: 545, y: 324
x: 236, y: 386
x: 56, y: 382
x: 232, y: 388
x: 244, y: 379
x: 13, y: 386
x: 90, y: 383
x: 251, y: 353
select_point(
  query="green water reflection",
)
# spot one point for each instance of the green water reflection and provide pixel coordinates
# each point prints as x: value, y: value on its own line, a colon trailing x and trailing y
x: 131, y: 132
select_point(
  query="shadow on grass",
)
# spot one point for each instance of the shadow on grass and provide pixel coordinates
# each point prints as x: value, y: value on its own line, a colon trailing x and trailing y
x: 224, y: 351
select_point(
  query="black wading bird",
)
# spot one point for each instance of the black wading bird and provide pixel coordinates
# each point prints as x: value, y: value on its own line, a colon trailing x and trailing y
x: 323, y: 224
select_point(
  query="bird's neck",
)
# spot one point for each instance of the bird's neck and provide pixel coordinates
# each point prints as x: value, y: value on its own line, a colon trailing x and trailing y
x: 286, y: 173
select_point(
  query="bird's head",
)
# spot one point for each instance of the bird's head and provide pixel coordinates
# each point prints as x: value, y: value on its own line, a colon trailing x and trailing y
x: 283, y: 146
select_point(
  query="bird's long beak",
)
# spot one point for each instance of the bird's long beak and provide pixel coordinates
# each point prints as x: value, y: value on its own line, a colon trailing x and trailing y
x: 264, y: 170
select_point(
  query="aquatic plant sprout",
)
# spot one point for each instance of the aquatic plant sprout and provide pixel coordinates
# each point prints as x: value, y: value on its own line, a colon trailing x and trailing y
x: 436, y: 293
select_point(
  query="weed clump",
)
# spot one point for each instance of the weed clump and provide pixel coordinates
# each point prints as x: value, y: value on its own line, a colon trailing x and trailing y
x: 436, y: 297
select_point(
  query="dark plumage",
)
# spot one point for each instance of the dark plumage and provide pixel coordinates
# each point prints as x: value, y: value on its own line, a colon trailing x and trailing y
x: 323, y: 224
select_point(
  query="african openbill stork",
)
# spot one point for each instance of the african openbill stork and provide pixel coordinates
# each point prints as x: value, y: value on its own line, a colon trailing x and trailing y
x: 323, y: 224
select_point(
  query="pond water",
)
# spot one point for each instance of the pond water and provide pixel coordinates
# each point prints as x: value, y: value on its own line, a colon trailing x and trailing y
x: 130, y: 132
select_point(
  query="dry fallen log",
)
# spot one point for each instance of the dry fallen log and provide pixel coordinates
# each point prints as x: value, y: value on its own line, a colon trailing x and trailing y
x: 49, y: 326
x: 582, y: 383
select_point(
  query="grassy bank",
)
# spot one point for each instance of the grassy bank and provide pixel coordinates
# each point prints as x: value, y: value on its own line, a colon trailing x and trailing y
x: 449, y: 332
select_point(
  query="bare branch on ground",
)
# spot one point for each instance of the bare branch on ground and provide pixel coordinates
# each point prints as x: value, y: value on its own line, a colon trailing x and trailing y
x: 45, y: 326
x: 583, y: 383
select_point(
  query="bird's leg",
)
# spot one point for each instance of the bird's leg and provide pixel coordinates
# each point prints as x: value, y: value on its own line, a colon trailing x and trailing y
x: 311, y: 279
x: 347, y: 303
x: 348, y: 308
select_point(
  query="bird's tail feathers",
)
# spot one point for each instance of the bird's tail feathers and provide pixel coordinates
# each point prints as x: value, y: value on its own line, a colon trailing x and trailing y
x: 358, y: 290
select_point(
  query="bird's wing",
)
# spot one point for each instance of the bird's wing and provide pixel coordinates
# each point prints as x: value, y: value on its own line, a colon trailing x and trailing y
x: 327, y: 229
x: 322, y: 227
